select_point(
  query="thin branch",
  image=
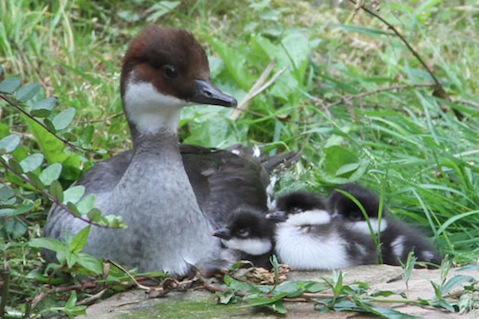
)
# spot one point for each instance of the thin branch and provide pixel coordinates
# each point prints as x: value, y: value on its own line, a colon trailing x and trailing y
x: 348, y: 98
x: 5, y: 289
x: 439, y: 89
x: 126, y: 272
x: 21, y: 110
x: 467, y: 102
x: 257, y: 88
x: 399, y: 35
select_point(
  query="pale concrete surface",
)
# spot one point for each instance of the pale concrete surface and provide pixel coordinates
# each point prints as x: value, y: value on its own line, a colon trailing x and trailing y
x: 201, y: 304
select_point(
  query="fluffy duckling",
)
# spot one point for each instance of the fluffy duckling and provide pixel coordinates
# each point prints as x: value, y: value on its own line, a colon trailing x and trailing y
x: 248, y: 232
x: 308, y: 238
x: 397, y: 238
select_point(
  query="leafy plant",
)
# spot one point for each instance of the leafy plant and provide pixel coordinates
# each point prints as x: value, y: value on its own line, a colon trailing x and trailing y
x: 354, y: 99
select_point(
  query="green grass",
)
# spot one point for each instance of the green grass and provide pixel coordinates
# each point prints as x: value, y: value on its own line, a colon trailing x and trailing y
x: 400, y: 143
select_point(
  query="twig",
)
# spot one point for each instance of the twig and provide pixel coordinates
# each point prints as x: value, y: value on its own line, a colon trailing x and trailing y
x: 5, y: 288
x: 345, y: 99
x: 467, y: 102
x: 93, y: 298
x: 126, y: 272
x: 21, y: 110
x: 439, y: 89
x: 257, y: 88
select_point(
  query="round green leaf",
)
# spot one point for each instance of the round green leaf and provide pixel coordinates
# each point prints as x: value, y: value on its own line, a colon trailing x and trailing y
x: 9, y: 85
x: 9, y: 143
x: 43, y: 108
x: 56, y: 190
x: 51, y: 173
x: 86, y: 204
x: 73, y: 194
x: 35, y: 181
x: 6, y: 192
x: 27, y: 92
x: 32, y: 162
x: 63, y: 119
x: 49, y: 125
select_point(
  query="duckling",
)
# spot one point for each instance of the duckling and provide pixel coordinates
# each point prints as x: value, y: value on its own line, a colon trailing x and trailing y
x: 251, y: 234
x: 308, y: 238
x: 397, y: 238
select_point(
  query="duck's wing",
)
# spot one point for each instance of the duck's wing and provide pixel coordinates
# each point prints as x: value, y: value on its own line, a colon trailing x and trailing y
x: 223, y: 181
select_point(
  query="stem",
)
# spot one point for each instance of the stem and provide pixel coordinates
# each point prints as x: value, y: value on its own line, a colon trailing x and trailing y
x: 4, y: 293
x: 21, y: 110
x: 439, y: 89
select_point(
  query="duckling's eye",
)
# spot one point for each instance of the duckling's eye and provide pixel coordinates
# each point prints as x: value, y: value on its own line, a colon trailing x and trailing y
x: 170, y: 71
x: 356, y: 215
x: 243, y: 232
x: 295, y: 210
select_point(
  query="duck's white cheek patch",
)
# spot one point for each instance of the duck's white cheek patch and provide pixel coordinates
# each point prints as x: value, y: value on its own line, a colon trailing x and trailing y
x: 151, y: 110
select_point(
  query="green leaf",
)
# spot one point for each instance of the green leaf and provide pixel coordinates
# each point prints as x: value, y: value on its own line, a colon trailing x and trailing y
x: 43, y: 108
x: 51, y: 173
x: 278, y: 307
x: 32, y: 162
x: 35, y: 180
x: 6, y: 192
x: 63, y: 119
x: 9, y: 143
x: 15, y: 166
x: 95, y: 215
x: 50, y: 126
x: 161, y: 8
x: 73, y: 209
x: 49, y: 243
x: 79, y: 241
x: 346, y: 169
x: 22, y: 209
x: 9, y: 85
x: 56, y: 190
x: 73, y: 194
x: 27, y: 92
x: 240, y: 285
x: 455, y: 281
x: 90, y: 263
x: 86, y: 204
x: 72, y: 300
x: 226, y: 297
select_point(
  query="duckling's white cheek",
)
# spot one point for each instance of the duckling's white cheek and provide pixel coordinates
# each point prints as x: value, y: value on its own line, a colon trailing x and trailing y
x: 398, y: 246
x: 427, y: 255
x: 253, y: 247
x: 310, y: 217
x: 363, y: 227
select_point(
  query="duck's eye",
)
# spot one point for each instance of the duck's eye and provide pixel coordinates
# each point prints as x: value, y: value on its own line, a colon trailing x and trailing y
x: 170, y: 71
x: 243, y: 232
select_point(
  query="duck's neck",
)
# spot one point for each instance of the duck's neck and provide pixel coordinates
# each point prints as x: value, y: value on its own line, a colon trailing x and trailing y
x: 163, y: 142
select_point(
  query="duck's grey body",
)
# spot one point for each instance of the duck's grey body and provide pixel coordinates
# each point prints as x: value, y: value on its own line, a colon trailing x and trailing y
x: 163, y: 71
